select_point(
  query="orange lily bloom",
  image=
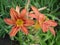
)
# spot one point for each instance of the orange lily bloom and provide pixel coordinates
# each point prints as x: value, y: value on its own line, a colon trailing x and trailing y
x: 42, y: 22
x: 18, y: 21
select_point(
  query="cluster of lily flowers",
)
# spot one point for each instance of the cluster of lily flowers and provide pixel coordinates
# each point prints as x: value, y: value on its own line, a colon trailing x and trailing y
x: 19, y: 21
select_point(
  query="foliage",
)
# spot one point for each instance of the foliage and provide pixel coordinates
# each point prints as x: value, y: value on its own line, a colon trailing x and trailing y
x: 35, y: 37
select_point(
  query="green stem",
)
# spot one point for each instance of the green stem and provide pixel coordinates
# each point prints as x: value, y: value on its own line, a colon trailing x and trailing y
x: 20, y: 38
x: 27, y: 7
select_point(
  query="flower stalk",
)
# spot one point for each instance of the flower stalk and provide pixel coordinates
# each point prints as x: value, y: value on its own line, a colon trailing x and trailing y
x: 27, y: 8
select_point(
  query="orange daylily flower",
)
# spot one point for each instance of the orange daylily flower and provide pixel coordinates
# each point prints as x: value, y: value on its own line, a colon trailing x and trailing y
x: 18, y: 21
x: 42, y: 22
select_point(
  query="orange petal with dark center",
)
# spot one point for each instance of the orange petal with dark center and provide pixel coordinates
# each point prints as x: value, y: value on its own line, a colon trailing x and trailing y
x: 14, y: 31
x: 9, y: 21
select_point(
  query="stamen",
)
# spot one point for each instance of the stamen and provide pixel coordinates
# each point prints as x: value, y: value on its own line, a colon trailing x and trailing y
x: 19, y: 22
x: 36, y: 26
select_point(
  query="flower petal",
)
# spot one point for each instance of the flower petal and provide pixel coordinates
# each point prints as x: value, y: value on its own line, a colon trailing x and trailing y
x: 23, y: 12
x: 44, y: 27
x: 13, y: 31
x: 35, y: 10
x: 52, y: 30
x: 24, y: 29
x: 32, y: 15
x: 42, y: 17
x: 9, y: 21
x: 18, y: 9
x: 38, y: 14
x: 51, y: 23
x: 13, y: 14
x: 29, y: 22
